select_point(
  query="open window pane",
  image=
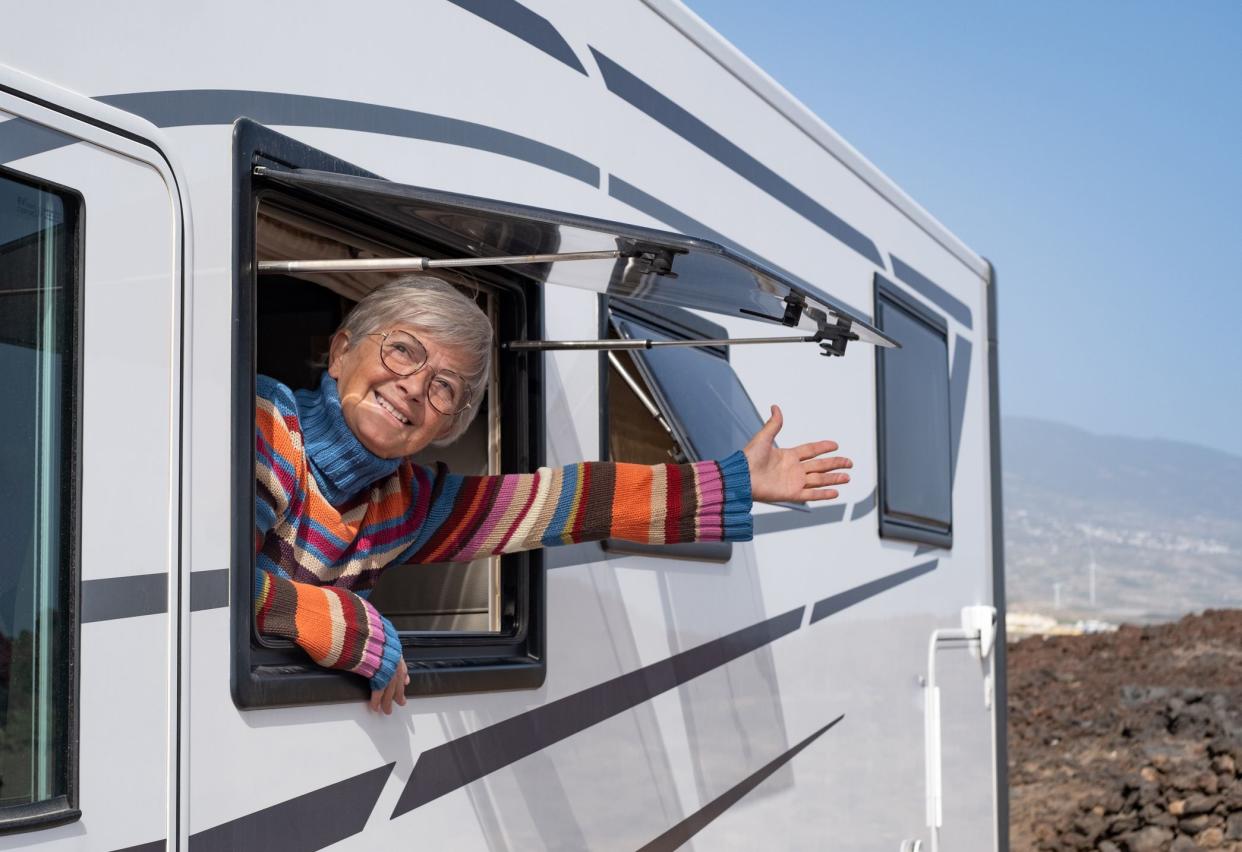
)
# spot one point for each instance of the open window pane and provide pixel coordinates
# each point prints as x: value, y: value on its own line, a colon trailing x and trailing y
x: 915, y: 449
x: 37, y: 253
x: 709, y: 409
x: 704, y: 275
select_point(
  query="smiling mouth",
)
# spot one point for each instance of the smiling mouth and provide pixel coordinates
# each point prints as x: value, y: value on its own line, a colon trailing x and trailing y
x: 387, y: 406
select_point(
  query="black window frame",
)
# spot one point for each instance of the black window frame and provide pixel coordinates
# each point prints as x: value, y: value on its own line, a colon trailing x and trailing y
x: 676, y: 323
x: 63, y: 808
x: 894, y: 525
x: 271, y: 673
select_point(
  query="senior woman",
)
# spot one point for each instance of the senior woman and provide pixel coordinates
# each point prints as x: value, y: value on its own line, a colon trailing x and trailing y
x: 338, y: 499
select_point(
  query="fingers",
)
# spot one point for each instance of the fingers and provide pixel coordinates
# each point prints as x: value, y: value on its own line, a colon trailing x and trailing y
x: 824, y: 465
x: 382, y: 700
x: 774, y: 424
x: 809, y: 494
x: 819, y: 480
x: 815, y: 448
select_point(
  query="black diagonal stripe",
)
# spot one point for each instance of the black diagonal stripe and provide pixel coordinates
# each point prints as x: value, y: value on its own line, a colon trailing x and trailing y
x: 313, y: 821
x: 180, y: 108
x: 517, y: 20
x: 697, y: 821
x: 642, y: 96
x: 21, y: 138
x: 447, y: 767
x: 209, y: 589
x: 124, y: 597
x: 942, y: 298
x: 628, y: 193
x: 836, y: 603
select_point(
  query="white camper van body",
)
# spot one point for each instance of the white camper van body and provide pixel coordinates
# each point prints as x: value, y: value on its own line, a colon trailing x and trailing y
x: 779, y: 699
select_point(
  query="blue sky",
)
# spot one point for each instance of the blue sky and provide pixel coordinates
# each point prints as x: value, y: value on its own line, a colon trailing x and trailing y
x: 1091, y: 151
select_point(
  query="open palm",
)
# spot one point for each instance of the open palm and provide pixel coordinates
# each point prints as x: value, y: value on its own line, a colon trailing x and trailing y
x: 796, y: 474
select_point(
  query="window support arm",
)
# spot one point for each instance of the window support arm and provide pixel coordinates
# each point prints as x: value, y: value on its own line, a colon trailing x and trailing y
x: 830, y: 343
x: 422, y: 264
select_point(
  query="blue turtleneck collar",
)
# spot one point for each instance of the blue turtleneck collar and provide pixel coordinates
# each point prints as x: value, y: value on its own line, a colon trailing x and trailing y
x: 342, y: 466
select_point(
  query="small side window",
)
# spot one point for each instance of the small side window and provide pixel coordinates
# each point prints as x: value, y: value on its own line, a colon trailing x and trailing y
x: 671, y: 405
x: 912, y: 390
x: 38, y: 507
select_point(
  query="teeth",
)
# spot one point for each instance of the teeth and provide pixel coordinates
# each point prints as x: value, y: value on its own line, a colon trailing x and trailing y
x: 395, y: 413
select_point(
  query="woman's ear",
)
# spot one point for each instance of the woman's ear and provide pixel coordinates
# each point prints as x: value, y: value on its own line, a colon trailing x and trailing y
x: 336, y: 352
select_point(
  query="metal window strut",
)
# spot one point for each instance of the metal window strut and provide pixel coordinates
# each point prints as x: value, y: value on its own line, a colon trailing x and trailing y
x: 832, y: 338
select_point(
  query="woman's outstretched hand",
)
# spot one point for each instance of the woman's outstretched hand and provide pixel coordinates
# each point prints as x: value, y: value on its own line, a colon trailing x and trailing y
x: 796, y: 474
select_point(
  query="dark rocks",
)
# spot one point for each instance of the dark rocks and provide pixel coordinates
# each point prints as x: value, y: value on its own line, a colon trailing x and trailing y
x: 1233, y: 826
x: 1199, y: 804
x: 1148, y: 730
x: 1150, y: 839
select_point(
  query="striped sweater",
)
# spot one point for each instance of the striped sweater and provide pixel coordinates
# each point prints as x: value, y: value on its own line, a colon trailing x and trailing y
x: 330, y: 517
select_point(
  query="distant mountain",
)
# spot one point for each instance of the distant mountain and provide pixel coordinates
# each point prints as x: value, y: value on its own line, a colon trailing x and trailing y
x: 1161, y: 520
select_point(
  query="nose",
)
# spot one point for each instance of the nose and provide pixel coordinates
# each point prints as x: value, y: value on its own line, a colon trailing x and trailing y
x: 414, y: 387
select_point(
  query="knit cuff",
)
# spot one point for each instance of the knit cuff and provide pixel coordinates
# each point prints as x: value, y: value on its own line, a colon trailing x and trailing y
x: 388, y: 655
x: 738, y: 525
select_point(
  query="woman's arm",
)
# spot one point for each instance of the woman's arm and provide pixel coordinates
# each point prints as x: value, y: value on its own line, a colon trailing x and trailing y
x: 336, y: 627
x: 474, y: 516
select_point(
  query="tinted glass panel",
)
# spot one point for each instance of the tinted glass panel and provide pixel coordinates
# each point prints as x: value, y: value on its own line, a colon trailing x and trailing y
x: 914, y: 428
x: 36, y: 285
x: 712, y: 411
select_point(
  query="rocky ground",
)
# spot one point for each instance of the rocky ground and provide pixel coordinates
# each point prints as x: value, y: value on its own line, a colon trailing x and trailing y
x: 1129, y: 741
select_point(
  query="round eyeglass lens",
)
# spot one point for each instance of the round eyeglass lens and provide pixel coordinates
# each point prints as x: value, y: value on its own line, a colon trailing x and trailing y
x: 402, y: 353
x: 447, y: 392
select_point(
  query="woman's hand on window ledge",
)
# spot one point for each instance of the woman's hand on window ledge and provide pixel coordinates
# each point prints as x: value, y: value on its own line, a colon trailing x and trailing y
x: 382, y: 699
x: 796, y: 474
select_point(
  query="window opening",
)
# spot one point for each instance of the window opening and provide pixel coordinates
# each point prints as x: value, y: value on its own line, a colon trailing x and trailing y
x: 915, y: 480
x: 298, y: 313
x: 495, y: 642
x: 671, y: 404
x: 38, y: 506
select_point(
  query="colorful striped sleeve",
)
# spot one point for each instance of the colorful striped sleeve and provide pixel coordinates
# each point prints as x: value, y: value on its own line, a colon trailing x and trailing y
x: 475, y: 516
x: 336, y: 627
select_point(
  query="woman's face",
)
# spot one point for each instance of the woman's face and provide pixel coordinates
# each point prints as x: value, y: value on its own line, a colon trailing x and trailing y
x: 388, y: 413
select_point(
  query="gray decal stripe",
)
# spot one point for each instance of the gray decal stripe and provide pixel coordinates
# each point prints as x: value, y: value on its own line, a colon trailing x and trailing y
x: 454, y: 764
x: 679, y: 834
x: 864, y: 506
x: 21, y: 138
x: 531, y: 28
x: 318, y: 819
x: 939, y: 296
x: 630, y: 88
x: 959, y: 380
x: 224, y: 106
x: 153, y: 846
x: 793, y: 519
x: 836, y: 603
x: 627, y: 193
x: 209, y: 589
x: 124, y: 597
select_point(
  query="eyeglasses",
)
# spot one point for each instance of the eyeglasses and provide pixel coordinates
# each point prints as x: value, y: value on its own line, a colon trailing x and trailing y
x: 404, y: 354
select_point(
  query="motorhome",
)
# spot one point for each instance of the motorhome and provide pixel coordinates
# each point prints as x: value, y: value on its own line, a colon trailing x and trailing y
x: 194, y: 195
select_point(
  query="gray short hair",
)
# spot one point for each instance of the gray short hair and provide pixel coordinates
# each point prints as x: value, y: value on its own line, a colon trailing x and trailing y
x: 445, y: 316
